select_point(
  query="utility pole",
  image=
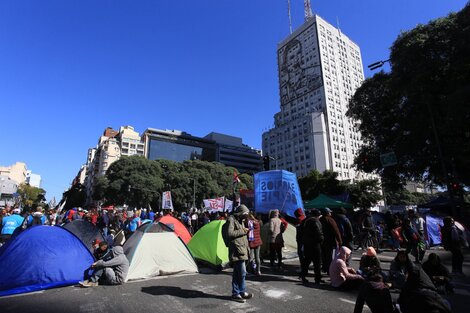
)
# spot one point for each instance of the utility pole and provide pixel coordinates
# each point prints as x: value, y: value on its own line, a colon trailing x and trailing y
x: 194, y: 193
x: 307, y: 10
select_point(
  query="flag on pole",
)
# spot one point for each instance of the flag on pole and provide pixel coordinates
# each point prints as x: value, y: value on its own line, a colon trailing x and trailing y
x: 167, y: 204
x: 228, y: 205
x: 236, y: 180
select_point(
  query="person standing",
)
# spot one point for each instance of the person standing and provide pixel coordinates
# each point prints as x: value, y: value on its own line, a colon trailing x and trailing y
x: 452, y: 241
x: 332, y: 239
x: 11, y: 222
x: 312, y: 239
x: 345, y: 228
x: 276, y: 241
x: 299, y: 214
x: 255, y: 242
x: 238, y: 252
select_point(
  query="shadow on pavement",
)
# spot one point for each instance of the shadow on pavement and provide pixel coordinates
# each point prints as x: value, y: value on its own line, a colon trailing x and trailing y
x: 181, y: 293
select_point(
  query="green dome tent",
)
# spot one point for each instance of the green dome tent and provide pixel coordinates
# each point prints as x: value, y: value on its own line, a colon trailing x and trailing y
x: 208, y: 246
x: 323, y: 201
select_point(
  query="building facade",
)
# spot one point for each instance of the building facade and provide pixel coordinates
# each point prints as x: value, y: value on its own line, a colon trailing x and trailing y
x: 130, y: 141
x: 33, y: 179
x: 17, y: 172
x: 319, y: 70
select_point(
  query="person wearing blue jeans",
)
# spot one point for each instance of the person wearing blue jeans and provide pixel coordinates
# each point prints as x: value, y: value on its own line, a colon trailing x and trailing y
x: 238, y: 251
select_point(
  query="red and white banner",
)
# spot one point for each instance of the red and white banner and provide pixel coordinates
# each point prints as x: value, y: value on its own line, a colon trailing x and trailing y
x: 167, y: 204
x: 214, y: 205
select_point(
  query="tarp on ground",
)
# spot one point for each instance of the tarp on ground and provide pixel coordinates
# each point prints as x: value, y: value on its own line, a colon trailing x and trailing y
x: 290, y: 244
x: 154, y: 250
x: 207, y: 244
x: 42, y: 257
x: 279, y: 190
x: 323, y: 201
x: 85, y: 231
x: 177, y: 226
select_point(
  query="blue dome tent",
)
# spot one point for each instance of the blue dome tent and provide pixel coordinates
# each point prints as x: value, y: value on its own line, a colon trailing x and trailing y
x: 42, y: 257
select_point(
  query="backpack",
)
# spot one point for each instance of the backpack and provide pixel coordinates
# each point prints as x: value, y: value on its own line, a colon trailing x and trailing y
x: 37, y: 220
x: 225, y: 236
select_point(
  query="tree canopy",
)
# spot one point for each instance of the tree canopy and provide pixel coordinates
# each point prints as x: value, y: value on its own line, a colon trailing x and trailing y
x: 420, y: 109
x: 138, y: 182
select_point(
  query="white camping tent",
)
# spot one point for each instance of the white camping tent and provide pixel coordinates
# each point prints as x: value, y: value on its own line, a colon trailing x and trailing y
x: 155, y: 250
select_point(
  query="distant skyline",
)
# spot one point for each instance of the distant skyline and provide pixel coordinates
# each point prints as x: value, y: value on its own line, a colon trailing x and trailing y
x: 69, y: 69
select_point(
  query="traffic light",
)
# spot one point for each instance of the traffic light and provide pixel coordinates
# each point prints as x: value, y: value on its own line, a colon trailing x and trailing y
x: 266, y: 162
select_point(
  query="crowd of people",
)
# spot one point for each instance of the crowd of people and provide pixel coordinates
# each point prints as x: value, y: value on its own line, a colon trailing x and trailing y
x: 324, y: 238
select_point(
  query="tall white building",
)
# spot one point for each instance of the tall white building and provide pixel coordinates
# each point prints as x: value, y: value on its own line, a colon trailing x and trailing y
x: 319, y: 69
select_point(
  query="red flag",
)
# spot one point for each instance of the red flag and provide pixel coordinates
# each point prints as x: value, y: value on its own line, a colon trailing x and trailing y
x: 235, y: 177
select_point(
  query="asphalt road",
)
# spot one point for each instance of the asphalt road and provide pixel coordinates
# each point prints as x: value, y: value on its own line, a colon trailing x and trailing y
x: 210, y: 292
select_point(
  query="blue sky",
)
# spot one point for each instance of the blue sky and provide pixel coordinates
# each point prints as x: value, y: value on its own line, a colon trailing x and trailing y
x: 69, y: 69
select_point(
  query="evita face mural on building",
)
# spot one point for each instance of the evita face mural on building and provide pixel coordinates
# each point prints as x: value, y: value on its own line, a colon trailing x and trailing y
x: 299, y: 68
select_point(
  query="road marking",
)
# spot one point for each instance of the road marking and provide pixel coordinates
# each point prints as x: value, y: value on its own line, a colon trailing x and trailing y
x: 347, y: 301
x: 275, y: 293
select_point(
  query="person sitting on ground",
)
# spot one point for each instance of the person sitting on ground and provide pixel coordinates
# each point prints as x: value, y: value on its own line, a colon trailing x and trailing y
x: 111, y: 272
x: 420, y: 295
x: 102, y: 251
x: 369, y: 263
x: 438, y: 273
x: 343, y: 277
x: 398, y: 269
x: 375, y: 293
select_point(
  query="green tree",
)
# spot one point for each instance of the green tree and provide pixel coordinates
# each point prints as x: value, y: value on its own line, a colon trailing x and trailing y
x: 364, y: 193
x: 420, y: 109
x: 315, y: 183
x: 31, y: 196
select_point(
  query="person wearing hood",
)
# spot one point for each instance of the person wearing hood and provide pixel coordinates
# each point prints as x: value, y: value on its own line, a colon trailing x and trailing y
x: 398, y: 269
x: 110, y: 272
x: 369, y: 263
x: 376, y: 295
x: 341, y: 276
x: 238, y: 252
x: 37, y: 218
x: 420, y: 295
x: 438, y: 273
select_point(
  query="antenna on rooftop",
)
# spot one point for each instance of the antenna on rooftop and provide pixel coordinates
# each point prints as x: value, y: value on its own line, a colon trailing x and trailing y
x: 307, y: 10
x: 290, y: 17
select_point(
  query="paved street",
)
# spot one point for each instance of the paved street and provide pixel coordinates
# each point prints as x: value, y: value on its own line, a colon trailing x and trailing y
x: 209, y: 292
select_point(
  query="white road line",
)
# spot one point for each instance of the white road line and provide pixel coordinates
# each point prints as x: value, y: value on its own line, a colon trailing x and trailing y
x: 347, y: 301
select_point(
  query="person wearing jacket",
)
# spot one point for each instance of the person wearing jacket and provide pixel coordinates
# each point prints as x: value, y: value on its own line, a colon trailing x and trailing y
x: 11, y: 222
x: 276, y: 241
x: 332, y: 239
x: 343, y: 277
x: 238, y: 252
x: 111, y: 272
x: 345, y: 228
x: 37, y: 218
x: 438, y: 273
x: 398, y: 269
x: 312, y: 239
x: 376, y: 295
x: 451, y: 240
x: 369, y: 263
x: 300, y: 216
x: 419, y: 295
x: 255, y: 242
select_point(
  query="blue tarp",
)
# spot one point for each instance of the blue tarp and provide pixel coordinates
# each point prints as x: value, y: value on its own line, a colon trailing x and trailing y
x: 277, y: 190
x: 42, y: 257
x: 434, y: 229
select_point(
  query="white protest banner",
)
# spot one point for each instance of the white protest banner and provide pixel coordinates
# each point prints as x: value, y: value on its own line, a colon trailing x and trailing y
x: 228, y: 205
x: 214, y: 205
x: 167, y: 204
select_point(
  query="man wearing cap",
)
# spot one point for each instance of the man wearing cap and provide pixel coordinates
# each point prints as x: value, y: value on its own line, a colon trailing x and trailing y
x: 10, y: 223
x: 238, y: 252
x: 332, y: 239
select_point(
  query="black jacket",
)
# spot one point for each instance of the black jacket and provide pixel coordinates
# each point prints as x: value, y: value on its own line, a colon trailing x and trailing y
x: 377, y: 297
x: 312, y: 232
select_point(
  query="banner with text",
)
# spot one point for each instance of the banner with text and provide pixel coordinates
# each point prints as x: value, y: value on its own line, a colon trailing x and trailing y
x: 215, y: 205
x: 228, y: 205
x: 167, y: 204
x: 277, y: 190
